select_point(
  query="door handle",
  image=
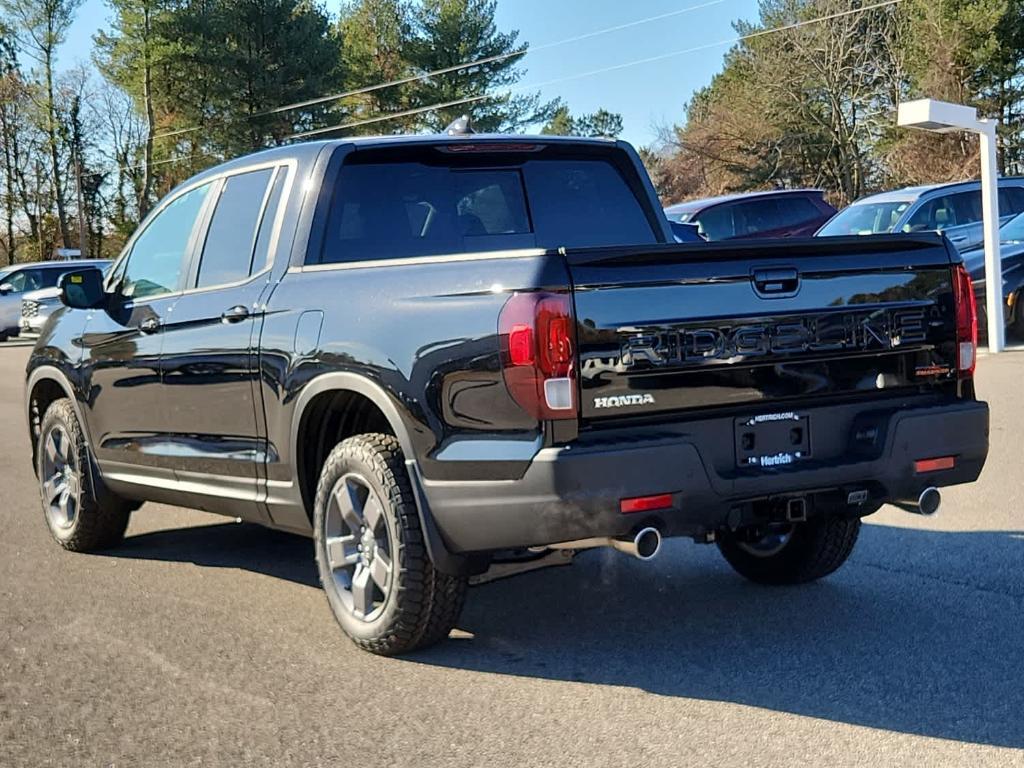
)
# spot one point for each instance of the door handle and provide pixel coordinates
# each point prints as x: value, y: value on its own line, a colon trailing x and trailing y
x: 236, y: 314
x: 150, y: 325
x: 776, y: 282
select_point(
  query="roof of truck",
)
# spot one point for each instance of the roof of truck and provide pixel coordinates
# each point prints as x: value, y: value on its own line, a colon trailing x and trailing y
x: 310, y: 149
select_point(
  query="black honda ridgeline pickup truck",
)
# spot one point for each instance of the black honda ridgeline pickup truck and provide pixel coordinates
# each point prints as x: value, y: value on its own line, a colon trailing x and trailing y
x: 426, y: 351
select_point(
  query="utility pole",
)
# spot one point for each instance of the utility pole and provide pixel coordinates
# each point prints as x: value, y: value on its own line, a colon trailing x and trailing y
x: 943, y: 117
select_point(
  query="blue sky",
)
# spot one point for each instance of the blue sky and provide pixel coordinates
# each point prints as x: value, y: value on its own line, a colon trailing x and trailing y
x: 646, y: 95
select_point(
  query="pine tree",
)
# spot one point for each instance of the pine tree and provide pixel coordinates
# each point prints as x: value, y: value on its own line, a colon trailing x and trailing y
x: 270, y: 53
x: 452, y: 32
x: 600, y: 124
x: 375, y: 35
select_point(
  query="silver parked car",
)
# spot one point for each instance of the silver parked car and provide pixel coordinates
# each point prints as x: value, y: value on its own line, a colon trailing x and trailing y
x: 36, y: 308
x: 953, y: 209
x: 19, y: 279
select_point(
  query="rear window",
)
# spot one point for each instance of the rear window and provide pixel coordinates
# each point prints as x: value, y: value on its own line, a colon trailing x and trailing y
x: 1011, y: 201
x: 228, y: 250
x: 391, y: 210
x: 794, y: 209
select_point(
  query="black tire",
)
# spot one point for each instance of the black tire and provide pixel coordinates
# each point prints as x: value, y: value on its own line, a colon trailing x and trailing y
x: 1016, y: 328
x: 420, y: 605
x: 99, y: 518
x: 813, y: 550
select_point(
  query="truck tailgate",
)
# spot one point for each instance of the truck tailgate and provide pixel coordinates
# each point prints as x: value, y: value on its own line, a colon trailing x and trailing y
x: 669, y: 328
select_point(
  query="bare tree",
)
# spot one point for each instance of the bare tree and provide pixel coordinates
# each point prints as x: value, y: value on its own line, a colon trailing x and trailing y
x: 41, y: 26
x: 125, y: 136
x: 9, y: 79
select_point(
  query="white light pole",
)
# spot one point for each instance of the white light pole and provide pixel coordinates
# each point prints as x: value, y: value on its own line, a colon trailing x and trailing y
x: 943, y: 117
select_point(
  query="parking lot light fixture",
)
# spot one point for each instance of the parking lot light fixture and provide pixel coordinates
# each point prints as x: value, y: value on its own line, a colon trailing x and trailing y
x: 943, y: 117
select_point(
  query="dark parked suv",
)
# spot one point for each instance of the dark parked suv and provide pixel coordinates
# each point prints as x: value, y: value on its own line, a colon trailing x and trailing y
x: 425, y: 350
x: 780, y: 213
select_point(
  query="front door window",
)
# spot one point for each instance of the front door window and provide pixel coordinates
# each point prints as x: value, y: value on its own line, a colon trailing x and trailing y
x: 157, y: 261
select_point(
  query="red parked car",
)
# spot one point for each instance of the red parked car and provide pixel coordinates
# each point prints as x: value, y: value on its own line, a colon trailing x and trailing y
x: 779, y: 213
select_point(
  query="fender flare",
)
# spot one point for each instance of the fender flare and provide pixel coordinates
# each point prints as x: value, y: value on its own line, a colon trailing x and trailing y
x: 346, y: 381
x: 58, y: 377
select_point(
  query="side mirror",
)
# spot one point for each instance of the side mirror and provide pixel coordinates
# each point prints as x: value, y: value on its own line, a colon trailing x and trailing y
x: 83, y: 289
x: 6, y: 288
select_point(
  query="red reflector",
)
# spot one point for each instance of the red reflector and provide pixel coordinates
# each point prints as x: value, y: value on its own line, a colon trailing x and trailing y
x: 645, y: 503
x: 934, y: 465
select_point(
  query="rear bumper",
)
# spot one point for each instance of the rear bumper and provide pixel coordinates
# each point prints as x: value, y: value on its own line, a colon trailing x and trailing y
x: 573, y: 492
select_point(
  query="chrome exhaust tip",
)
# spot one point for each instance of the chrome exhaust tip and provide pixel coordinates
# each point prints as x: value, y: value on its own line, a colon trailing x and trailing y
x: 927, y: 504
x: 929, y: 501
x: 645, y: 545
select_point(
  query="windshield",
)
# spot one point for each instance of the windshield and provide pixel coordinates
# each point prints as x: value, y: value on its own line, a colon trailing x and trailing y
x: 865, y: 219
x: 1012, y: 231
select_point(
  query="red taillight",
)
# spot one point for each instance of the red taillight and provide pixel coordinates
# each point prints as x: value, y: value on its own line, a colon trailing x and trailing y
x: 934, y: 465
x: 966, y: 322
x: 520, y: 345
x: 538, y: 336
x: 645, y: 503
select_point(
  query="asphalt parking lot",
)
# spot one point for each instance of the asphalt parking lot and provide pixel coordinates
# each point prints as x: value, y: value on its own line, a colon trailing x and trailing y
x: 206, y: 642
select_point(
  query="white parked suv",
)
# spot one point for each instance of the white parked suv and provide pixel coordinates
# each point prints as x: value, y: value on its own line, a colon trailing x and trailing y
x: 953, y: 209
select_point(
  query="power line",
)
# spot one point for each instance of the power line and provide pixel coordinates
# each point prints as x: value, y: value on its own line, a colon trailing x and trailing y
x: 389, y: 116
x: 454, y: 68
x: 153, y: 164
x: 568, y: 78
x: 594, y: 72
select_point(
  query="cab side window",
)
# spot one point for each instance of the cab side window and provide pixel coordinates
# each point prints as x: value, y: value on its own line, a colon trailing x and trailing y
x: 933, y: 215
x: 1011, y: 201
x: 25, y: 280
x: 50, y: 276
x: 968, y: 207
x: 717, y: 223
x: 156, y: 263
x: 758, y: 216
x: 227, y: 255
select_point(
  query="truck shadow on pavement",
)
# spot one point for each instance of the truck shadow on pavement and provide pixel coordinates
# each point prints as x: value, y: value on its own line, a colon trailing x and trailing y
x: 921, y: 632
x: 227, y: 545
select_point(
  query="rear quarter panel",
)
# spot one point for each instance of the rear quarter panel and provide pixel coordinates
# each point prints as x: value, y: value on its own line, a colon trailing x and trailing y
x: 427, y: 335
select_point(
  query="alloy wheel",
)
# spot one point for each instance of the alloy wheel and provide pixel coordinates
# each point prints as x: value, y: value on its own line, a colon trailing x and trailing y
x: 60, y: 478
x: 359, y: 550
